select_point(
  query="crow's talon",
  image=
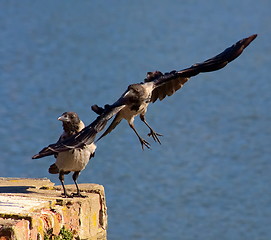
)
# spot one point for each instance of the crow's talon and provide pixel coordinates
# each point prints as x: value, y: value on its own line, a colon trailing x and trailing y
x: 145, y: 143
x: 78, y: 195
x: 65, y: 195
x: 155, y: 135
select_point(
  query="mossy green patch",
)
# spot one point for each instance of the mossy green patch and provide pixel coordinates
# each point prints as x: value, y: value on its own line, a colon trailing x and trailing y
x: 64, y: 234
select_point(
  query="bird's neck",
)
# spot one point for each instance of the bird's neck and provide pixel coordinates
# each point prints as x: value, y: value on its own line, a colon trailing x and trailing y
x: 71, y: 128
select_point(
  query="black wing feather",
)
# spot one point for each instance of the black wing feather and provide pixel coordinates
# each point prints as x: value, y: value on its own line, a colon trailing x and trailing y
x: 167, y: 84
x: 85, y: 137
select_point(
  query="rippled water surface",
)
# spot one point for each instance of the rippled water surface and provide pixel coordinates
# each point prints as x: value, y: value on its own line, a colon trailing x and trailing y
x: 210, y: 178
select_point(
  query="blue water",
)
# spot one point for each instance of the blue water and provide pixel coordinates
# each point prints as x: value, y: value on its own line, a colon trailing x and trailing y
x: 211, y: 177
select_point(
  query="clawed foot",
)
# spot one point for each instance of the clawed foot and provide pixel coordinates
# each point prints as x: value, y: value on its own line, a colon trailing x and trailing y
x: 144, y: 143
x: 155, y: 135
x: 65, y: 195
x: 78, y: 195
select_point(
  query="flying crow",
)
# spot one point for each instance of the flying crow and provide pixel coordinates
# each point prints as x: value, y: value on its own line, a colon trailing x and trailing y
x: 157, y: 85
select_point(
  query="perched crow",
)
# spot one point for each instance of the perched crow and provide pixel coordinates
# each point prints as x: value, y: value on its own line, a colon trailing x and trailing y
x: 135, y: 100
x: 158, y: 85
x: 72, y: 160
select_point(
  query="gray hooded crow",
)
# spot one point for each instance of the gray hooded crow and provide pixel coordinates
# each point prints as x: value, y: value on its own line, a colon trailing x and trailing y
x: 135, y: 100
x: 158, y: 85
x: 72, y: 160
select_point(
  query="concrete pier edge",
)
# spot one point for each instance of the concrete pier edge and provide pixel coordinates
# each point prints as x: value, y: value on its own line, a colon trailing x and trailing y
x: 30, y: 208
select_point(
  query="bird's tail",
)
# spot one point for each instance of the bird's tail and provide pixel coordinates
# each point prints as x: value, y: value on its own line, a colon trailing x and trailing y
x: 53, y: 169
x: 98, y: 110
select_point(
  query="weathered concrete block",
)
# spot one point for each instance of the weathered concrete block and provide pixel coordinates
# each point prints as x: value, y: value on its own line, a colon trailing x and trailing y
x: 31, y: 207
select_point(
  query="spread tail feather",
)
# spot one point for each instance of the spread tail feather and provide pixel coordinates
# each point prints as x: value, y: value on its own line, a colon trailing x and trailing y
x: 98, y: 110
x: 53, y: 169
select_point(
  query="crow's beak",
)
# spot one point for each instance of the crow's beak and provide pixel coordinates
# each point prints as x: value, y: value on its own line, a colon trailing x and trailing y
x: 62, y: 118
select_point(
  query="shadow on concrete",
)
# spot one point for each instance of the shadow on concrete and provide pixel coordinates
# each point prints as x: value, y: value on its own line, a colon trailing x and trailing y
x: 15, y: 189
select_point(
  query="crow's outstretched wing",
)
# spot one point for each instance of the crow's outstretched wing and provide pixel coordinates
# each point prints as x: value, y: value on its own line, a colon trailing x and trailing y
x: 169, y: 83
x: 86, y: 136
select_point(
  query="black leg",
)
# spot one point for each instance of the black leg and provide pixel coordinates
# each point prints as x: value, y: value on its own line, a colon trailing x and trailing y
x: 142, y: 141
x: 74, y: 177
x: 152, y: 133
x: 61, y: 178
